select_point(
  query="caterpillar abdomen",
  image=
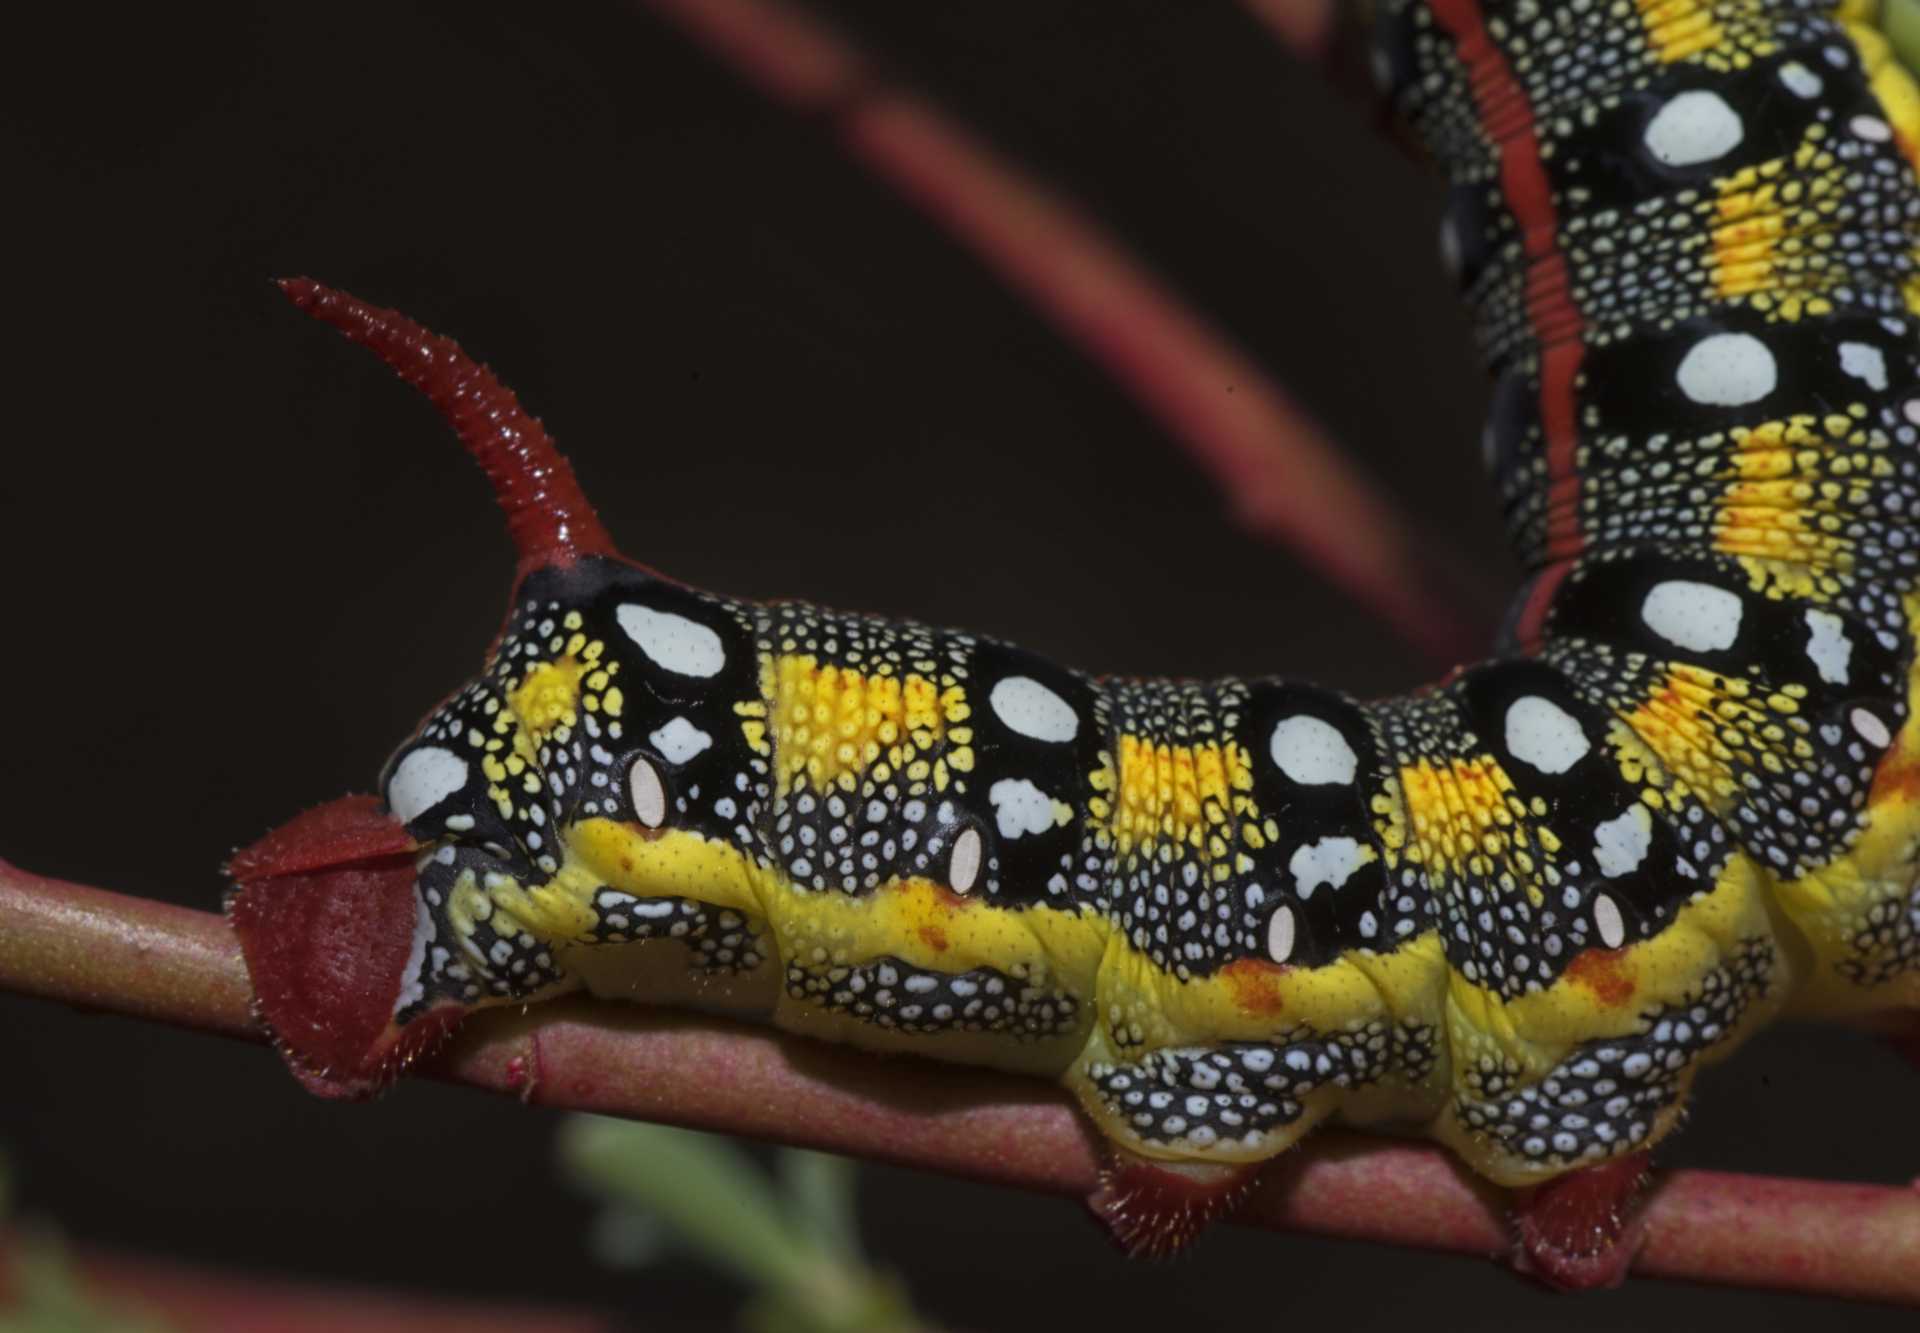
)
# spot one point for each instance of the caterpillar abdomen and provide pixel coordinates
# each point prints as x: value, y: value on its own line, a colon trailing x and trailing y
x: 1515, y: 911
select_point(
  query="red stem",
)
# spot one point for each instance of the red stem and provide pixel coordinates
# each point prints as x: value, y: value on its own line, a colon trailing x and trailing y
x: 548, y: 515
x: 1305, y: 27
x: 217, y: 1302
x: 87, y: 946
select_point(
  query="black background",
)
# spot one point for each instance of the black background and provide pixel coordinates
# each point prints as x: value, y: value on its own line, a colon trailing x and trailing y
x: 244, y: 560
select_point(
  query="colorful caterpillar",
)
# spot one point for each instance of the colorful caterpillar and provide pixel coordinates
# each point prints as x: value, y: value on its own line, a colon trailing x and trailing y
x: 1515, y: 911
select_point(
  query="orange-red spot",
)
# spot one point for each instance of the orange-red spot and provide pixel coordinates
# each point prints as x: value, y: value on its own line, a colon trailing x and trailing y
x: 939, y: 895
x: 1897, y: 780
x: 1255, y: 984
x: 934, y: 938
x: 1606, y: 974
x: 1908, y: 149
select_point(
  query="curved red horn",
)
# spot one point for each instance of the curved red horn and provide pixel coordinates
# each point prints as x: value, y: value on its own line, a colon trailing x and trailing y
x: 547, y: 513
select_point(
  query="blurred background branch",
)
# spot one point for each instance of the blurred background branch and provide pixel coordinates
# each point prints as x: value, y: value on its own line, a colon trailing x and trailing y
x: 49, y: 1286
x: 1281, y: 476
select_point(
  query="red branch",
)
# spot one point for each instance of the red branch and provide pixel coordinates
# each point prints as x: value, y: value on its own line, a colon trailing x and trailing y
x: 1305, y: 27
x: 1283, y: 477
x: 218, y: 1302
x: 127, y: 955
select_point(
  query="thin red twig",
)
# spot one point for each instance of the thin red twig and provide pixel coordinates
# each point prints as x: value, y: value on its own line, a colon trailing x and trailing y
x: 1305, y: 27
x: 217, y: 1302
x: 1285, y: 480
x: 126, y: 955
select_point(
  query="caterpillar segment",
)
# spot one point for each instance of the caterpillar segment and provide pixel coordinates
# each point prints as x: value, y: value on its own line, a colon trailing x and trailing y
x: 1515, y: 912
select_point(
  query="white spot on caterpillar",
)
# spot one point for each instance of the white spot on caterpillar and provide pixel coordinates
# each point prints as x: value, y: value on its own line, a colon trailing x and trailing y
x: 1020, y: 807
x: 1693, y: 127
x: 1280, y: 935
x: 1799, y: 80
x: 1031, y: 709
x: 1382, y: 66
x: 1312, y: 752
x: 964, y: 869
x: 1620, y: 844
x: 1828, y: 647
x: 684, y: 647
x: 1727, y: 370
x: 1696, y: 616
x: 1606, y: 919
x: 1871, y: 128
x: 1450, y: 247
x: 1330, y: 861
x: 1542, y: 733
x: 680, y: 741
x: 1866, y: 363
x: 1911, y: 410
x: 412, y: 988
x: 424, y: 779
x: 649, y: 795
x: 1872, y: 730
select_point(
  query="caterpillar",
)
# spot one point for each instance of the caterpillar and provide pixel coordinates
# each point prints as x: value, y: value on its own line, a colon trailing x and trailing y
x: 1515, y: 912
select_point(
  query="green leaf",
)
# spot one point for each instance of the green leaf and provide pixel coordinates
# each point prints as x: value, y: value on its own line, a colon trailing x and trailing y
x: 819, y: 1189
x: 50, y: 1298
x: 623, y: 1236
x: 795, y: 1247
x: 708, y: 1193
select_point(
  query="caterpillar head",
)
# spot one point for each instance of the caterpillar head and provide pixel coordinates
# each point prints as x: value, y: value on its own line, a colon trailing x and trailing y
x: 335, y: 910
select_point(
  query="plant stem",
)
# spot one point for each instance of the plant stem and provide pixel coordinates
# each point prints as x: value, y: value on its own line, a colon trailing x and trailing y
x: 169, y: 964
x: 1282, y: 477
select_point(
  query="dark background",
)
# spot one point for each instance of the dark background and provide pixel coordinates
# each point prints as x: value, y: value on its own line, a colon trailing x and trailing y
x: 245, y: 560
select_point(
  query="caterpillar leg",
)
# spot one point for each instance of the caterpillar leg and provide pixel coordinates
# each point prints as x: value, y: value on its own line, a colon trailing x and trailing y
x: 1606, y: 1097
x: 1191, y: 1126
x: 1579, y: 1231
x: 1154, y: 1209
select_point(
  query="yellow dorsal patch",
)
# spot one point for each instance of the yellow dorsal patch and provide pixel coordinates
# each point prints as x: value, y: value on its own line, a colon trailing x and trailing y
x: 1462, y: 813
x: 1703, y: 725
x: 1772, y: 226
x: 1794, y: 487
x: 1182, y: 794
x: 832, y: 725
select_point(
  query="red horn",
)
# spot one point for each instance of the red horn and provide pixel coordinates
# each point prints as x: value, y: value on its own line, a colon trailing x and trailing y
x: 547, y: 513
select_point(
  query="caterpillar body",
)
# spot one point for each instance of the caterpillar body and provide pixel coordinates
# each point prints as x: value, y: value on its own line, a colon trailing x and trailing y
x: 1515, y: 911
